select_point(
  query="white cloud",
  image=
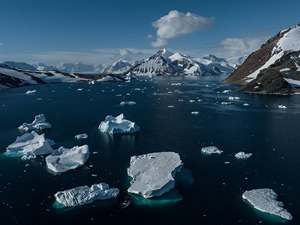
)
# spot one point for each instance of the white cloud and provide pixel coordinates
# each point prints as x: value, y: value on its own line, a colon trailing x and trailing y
x: 241, y: 46
x: 149, y: 36
x: 1, y: 44
x: 176, y: 24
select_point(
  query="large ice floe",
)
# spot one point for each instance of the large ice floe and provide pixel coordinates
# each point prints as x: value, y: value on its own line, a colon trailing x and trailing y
x: 39, y: 123
x: 118, y: 125
x: 153, y: 174
x: 29, y: 145
x: 211, y: 150
x: 264, y: 199
x: 64, y: 159
x: 84, y: 195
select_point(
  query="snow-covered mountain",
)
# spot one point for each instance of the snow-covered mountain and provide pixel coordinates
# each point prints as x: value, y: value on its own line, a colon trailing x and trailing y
x: 44, y: 67
x: 19, y: 65
x: 12, y: 77
x: 168, y: 63
x: 75, y: 68
x: 279, y: 57
x: 119, y: 67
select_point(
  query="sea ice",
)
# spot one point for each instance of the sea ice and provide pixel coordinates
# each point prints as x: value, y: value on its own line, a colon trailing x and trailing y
x: 81, y: 136
x: 265, y: 200
x: 211, y: 150
x: 127, y: 103
x: 118, y: 125
x: 30, y: 92
x: 153, y: 174
x: 39, y: 123
x: 30, y: 145
x: 282, y: 107
x: 84, y: 195
x: 242, y: 155
x: 64, y: 159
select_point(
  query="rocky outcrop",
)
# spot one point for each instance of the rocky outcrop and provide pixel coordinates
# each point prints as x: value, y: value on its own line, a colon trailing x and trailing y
x: 269, y: 81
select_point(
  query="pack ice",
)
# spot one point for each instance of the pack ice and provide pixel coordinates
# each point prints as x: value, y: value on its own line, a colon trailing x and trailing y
x: 153, y: 174
x: 30, y: 145
x: 118, y: 125
x: 39, y: 123
x: 265, y: 200
x: 83, y: 194
x: 64, y: 159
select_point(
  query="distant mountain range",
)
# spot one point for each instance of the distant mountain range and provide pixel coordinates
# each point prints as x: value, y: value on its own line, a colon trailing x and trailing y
x: 274, y: 68
x: 163, y: 63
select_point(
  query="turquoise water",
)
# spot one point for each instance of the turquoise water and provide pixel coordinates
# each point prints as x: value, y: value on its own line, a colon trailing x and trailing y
x: 210, y: 187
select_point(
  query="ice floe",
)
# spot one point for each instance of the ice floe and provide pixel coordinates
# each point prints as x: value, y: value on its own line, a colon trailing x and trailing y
x: 84, y: 195
x: 39, y: 123
x: 81, y: 136
x: 118, y: 125
x: 153, y: 174
x: 211, y: 150
x: 31, y: 144
x: 64, y: 159
x: 30, y: 92
x: 127, y: 103
x: 282, y: 107
x: 243, y: 155
x: 264, y: 199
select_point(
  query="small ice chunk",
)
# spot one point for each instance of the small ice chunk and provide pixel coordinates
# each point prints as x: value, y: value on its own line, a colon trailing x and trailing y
x: 242, y: 155
x: 64, y: 159
x: 84, y: 195
x: 30, y: 145
x: 233, y: 98
x: 195, y: 113
x: 153, y: 174
x: 118, y: 125
x: 30, y: 92
x: 81, y: 136
x: 226, y: 103
x: 127, y: 103
x: 39, y: 123
x: 265, y: 200
x: 282, y: 107
x: 211, y: 150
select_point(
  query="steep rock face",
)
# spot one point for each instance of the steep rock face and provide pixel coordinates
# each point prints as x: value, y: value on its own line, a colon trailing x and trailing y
x: 280, y: 53
x: 269, y: 81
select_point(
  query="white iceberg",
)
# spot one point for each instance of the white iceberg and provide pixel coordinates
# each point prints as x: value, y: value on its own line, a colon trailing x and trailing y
x: 242, y: 155
x: 30, y: 92
x: 81, y: 136
x: 84, y: 195
x: 30, y: 145
x: 265, y: 200
x: 39, y: 123
x: 211, y: 150
x: 64, y: 159
x: 118, y: 125
x: 282, y: 106
x: 153, y: 174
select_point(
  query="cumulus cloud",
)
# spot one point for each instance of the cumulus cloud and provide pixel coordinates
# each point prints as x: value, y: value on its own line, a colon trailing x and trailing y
x: 176, y: 24
x: 242, y: 46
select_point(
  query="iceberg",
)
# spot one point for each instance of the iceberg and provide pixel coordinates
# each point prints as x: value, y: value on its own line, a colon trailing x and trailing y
x: 39, y: 123
x: 153, y: 174
x: 31, y: 145
x: 242, y: 155
x: 84, y: 195
x: 118, y: 125
x: 265, y: 200
x: 211, y: 150
x: 64, y: 159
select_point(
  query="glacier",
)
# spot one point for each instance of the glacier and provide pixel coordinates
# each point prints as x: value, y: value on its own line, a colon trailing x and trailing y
x: 118, y: 125
x: 153, y: 174
x: 39, y: 123
x: 64, y: 159
x: 84, y: 195
x: 211, y: 150
x: 264, y: 199
x: 31, y: 144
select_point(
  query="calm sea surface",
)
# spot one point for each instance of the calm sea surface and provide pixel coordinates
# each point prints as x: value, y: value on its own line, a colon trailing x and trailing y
x: 209, y: 188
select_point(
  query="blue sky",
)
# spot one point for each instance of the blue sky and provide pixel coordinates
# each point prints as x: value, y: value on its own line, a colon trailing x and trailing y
x: 101, y: 31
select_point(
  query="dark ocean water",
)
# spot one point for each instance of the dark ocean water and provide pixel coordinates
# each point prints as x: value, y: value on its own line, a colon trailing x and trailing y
x: 209, y: 189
